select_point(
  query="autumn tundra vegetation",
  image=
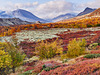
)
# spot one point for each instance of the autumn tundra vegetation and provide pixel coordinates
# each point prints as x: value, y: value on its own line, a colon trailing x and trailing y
x: 71, y: 53
x: 82, y: 23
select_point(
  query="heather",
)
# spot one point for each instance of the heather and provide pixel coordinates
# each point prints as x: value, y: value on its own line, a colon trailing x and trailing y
x: 62, y: 51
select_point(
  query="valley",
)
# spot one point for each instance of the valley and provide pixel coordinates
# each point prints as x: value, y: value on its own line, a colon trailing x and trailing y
x: 61, y: 42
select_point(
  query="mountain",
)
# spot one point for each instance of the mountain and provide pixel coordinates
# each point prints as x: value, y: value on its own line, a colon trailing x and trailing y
x: 12, y: 21
x: 86, y: 11
x: 62, y: 17
x: 26, y: 15
x: 21, y: 14
x: 4, y: 14
x: 94, y: 14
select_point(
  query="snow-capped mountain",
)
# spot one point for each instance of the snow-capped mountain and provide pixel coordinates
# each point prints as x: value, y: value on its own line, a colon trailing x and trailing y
x: 4, y: 14
x: 21, y: 14
x: 62, y: 17
x: 26, y: 15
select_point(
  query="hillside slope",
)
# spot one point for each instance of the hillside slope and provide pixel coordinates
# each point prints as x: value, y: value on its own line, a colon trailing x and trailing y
x: 86, y: 11
x: 12, y: 21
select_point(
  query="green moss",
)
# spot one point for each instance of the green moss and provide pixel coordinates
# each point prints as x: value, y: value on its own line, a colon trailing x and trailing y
x: 49, y: 68
x: 92, y: 56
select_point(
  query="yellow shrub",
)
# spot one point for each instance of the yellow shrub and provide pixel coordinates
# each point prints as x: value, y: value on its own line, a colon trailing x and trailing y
x: 5, y: 59
x: 76, y: 48
x: 48, y: 49
x: 11, y: 51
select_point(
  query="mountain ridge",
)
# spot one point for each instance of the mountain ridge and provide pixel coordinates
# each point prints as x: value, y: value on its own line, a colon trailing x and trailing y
x: 12, y: 21
x: 21, y: 14
x: 63, y: 16
x: 86, y: 11
x: 93, y: 14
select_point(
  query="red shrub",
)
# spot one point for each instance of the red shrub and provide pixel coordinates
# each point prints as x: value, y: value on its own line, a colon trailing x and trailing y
x: 96, y: 73
x: 28, y: 48
x: 28, y: 68
x: 80, y: 59
x: 95, y: 52
x: 38, y: 68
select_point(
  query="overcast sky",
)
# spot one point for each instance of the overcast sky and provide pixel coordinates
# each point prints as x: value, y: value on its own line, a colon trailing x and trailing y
x: 49, y: 8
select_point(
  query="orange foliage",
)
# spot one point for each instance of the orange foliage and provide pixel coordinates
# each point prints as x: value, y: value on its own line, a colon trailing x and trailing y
x: 83, y: 23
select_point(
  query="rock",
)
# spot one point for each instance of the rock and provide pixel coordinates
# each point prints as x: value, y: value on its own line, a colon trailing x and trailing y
x: 38, y: 22
x: 49, y: 65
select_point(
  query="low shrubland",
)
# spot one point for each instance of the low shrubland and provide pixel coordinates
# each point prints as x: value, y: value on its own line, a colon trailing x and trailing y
x: 95, y: 52
x: 87, y: 67
x: 83, y: 23
x: 47, y: 49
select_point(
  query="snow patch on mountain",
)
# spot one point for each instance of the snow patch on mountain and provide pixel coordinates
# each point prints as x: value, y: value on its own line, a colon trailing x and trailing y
x: 21, y: 14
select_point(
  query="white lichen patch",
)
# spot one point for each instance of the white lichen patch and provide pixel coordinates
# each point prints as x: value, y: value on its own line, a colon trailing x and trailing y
x: 42, y: 34
x: 35, y: 35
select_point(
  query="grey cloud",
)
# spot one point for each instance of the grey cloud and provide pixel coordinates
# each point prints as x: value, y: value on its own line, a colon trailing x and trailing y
x: 26, y: 5
x: 49, y: 9
x: 54, y: 8
x: 10, y: 6
x: 92, y: 4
